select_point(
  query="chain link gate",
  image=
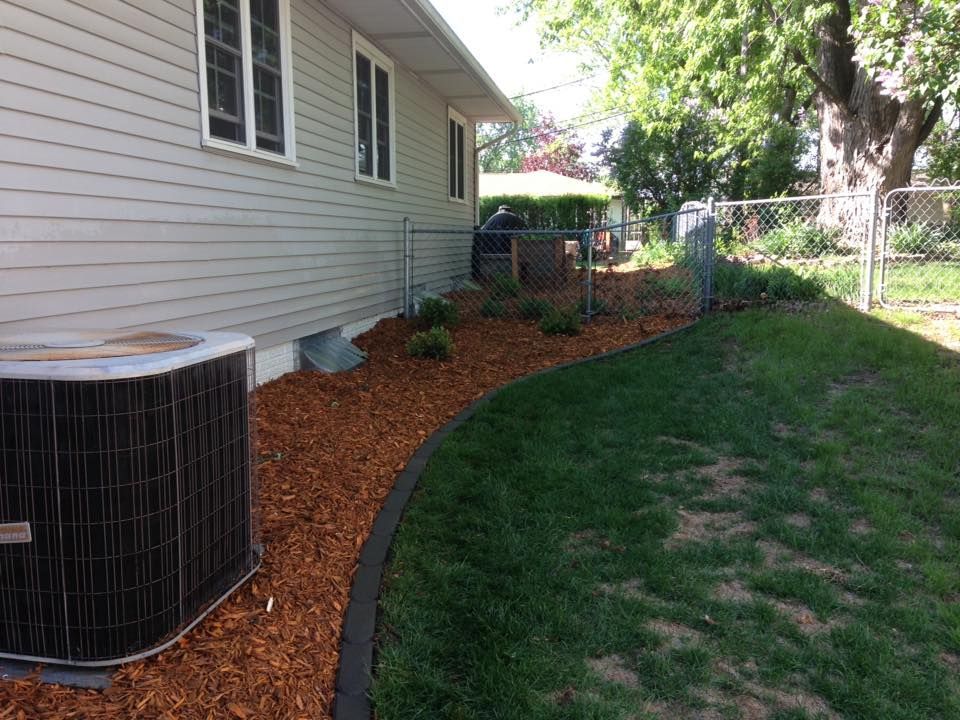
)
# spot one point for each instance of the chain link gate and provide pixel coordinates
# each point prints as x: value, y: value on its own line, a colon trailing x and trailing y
x: 920, y: 249
x: 825, y: 241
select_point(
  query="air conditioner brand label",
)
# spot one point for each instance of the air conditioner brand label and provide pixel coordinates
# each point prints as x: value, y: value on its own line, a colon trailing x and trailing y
x: 15, y: 533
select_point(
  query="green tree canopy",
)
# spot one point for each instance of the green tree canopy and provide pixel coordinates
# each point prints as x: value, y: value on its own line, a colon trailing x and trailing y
x: 753, y: 67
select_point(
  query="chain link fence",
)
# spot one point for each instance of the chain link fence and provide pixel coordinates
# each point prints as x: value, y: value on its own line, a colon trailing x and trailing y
x: 724, y: 254
x: 593, y: 274
x: 920, y: 249
x: 796, y: 248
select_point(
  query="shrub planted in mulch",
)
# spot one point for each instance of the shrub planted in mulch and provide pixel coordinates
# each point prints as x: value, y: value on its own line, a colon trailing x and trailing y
x: 435, y: 343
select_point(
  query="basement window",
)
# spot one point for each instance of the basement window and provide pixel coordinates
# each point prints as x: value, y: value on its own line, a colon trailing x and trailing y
x: 456, y: 140
x: 373, y: 99
x: 246, y: 83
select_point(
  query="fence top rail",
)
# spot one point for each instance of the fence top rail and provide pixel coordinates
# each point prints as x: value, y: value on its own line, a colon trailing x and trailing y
x: 926, y: 189
x: 793, y: 198
x: 547, y: 231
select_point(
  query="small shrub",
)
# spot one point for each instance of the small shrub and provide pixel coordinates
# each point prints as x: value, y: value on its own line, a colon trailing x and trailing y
x: 657, y: 252
x: 561, y: 322
x: 535, y: 308
x: 493, y: 308
x: 437, y: 312
x: 505, y: 286
x: 916, y: 239
x: 800, y: 239
x: 434, y: 343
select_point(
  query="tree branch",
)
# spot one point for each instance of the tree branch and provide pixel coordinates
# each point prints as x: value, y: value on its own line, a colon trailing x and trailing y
x: 930, y: 122
x: 828, y: 92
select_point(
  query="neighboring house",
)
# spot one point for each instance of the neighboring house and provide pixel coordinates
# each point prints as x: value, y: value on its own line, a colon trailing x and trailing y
x: 235, y: 165
x: 543, y: 183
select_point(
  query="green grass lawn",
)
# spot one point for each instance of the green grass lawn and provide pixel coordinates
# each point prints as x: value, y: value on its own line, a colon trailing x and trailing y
x: 923, y: 282
x: 758, y: 518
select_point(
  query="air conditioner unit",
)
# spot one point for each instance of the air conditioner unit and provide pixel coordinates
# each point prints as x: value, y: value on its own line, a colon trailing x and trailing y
x: 127, y: 502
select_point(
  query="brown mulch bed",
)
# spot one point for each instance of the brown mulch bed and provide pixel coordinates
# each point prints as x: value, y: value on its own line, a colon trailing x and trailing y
x: 329, y: 447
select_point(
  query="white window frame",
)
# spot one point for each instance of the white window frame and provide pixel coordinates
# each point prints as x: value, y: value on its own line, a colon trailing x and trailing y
x: 377, y: 58
x: 250, y: 149
x: 462, y: 122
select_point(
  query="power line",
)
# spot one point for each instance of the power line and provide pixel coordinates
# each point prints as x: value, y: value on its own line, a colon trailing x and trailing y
x: 564, y: 130
x: 555, y: 87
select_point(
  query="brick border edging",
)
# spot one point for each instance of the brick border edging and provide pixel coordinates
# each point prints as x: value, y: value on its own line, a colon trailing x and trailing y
x: 354, y: 674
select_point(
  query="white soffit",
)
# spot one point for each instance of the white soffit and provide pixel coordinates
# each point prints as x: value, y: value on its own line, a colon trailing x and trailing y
x: 414, y: 34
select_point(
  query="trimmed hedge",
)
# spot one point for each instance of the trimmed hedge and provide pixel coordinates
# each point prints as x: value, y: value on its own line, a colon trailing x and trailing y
x: 564, y: 212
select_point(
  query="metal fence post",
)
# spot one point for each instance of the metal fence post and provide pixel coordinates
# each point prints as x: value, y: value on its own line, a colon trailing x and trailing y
x: 589, y: 242
x: 407, y: 268
x: 870, y: 253
x: 709, y: 254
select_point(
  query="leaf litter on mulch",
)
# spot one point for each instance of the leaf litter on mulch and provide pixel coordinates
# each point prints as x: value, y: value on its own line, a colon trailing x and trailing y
x: 329, y: 448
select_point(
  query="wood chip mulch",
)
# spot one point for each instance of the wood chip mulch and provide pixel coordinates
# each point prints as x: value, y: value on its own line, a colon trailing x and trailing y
x: 330, y: 447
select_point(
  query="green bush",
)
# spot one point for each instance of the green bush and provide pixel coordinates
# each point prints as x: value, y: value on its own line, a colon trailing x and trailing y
x: 916, y: 239
x: 534, y: 308
x: 493, y: 308
x: 561, y: 322
x: 567, y: 212
x: 734, y: 281
x: 800, y: 239
x: 434, y: 343
x: 505, y: 286
x: 437, y: 312
x: 656, y: 253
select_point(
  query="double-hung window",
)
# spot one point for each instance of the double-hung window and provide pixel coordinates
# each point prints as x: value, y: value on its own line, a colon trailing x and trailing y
x: 245, y: 78
x: 456, y: 140
x: 374, y: 104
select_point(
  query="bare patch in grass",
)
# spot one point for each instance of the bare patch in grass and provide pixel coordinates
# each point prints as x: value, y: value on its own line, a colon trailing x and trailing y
x: 951, y: 660
x: 675, y: 634
x: 782, y: 430
x: 859, y: 379
x: 733, y: 591
x: 756, y: 701
x: 689, y: 444
x: 798, y: 520
x: 777, y: 555
x: 629, y: 589
x: 819, y: 495
x: 804, y: 618
x: 613, y: 669
x: 700, y: 526
x: 860, y: 526
x: 590, y: 541
x: 723, y: 474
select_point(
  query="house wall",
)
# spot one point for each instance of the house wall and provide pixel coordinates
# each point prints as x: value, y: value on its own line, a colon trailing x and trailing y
x: 112, y: 215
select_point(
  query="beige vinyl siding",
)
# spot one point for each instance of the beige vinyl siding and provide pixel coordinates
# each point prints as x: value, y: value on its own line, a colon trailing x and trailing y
x: 112, y: 215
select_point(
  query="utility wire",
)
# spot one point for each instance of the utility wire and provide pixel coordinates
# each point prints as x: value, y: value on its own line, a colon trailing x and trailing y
x: 555, y: 87
x: 564, y: 130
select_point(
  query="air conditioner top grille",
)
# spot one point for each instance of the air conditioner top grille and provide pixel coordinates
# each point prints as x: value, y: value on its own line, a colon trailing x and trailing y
x: 88, y: 345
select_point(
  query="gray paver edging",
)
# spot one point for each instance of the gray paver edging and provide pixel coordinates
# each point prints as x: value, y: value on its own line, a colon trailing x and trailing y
x: 355, y: 672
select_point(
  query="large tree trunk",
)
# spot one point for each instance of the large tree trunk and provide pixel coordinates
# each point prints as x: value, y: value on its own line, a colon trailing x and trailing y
x: 868, y: 140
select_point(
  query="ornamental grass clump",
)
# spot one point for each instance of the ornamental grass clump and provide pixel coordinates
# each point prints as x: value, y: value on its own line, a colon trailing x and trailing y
x: 435, y: 343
